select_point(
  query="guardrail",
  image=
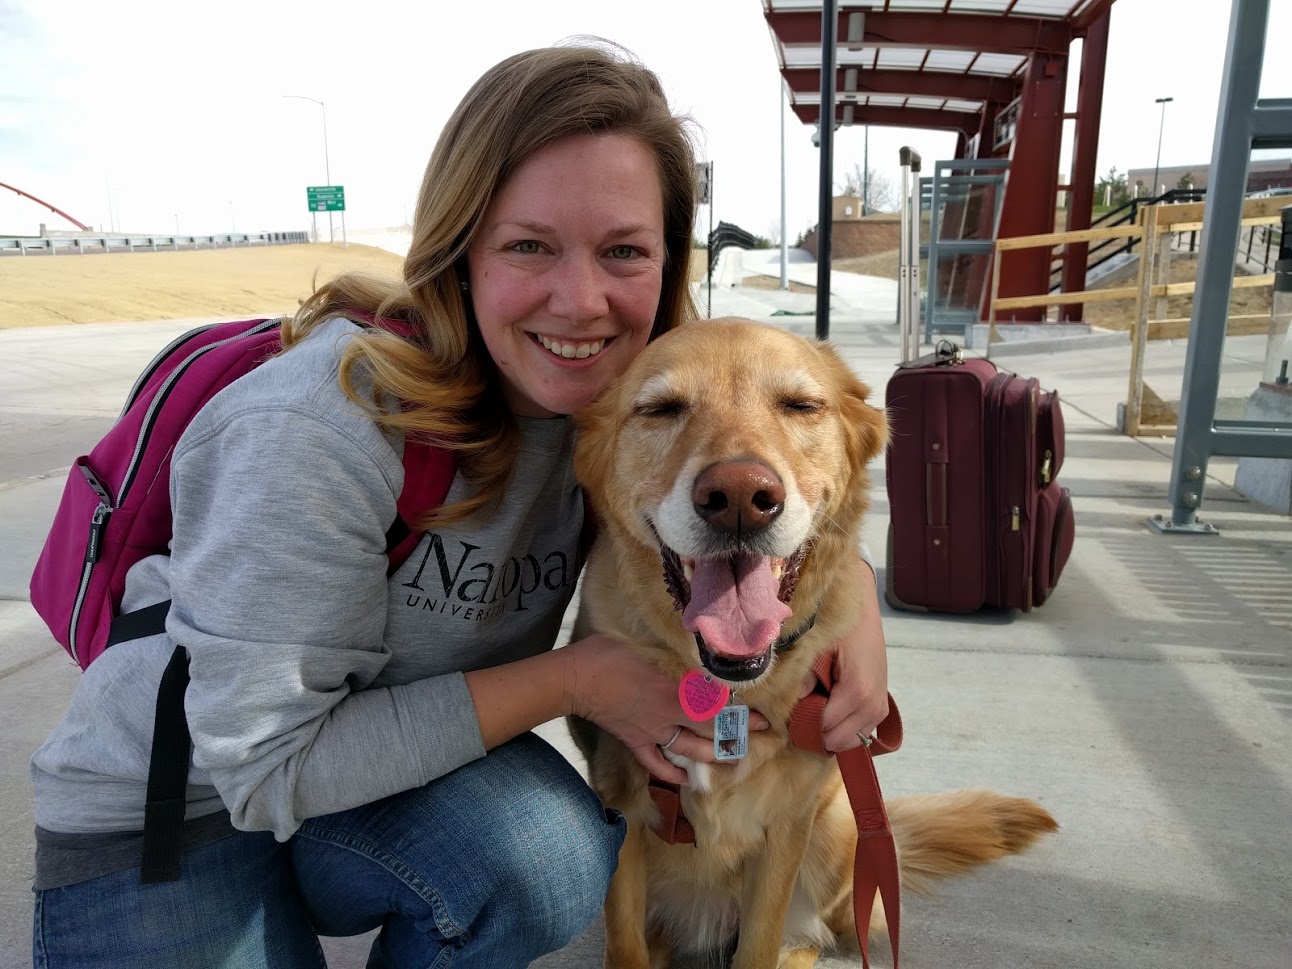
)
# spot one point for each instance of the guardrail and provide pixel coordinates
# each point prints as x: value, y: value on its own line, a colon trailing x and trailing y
x: 53, y: 245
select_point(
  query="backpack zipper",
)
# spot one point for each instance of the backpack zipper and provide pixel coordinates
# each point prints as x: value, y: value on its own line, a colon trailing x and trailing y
x: 157, y: 361
x: 164, y: 391
x: 99, y: 522
x: 93, y: 548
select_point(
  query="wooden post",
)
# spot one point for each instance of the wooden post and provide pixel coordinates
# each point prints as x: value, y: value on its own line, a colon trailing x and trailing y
x: 1139, y: 326
x: 995, y: 294
x: 1163, y: 274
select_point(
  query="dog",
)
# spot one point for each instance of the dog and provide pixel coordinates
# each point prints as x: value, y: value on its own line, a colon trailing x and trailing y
x: 727, y: 472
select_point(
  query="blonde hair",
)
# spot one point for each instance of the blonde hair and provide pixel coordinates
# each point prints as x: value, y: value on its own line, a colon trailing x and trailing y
x: 443, y: 375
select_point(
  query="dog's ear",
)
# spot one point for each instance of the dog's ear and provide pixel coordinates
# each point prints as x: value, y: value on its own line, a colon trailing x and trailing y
x: 865, y: 426
x: 594, y: 447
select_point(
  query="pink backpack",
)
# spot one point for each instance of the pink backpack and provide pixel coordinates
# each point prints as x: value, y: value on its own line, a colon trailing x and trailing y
x: 116, y: 511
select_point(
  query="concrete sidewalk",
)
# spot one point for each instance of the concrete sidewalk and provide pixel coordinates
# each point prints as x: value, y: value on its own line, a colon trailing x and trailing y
x: 1148, y: 705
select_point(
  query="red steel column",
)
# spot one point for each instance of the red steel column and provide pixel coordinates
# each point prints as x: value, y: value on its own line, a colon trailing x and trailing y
x: 1031, y: 189
x: 1090, y: 100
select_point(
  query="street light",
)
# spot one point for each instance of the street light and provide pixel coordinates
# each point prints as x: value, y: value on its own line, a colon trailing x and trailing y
x: 327, y: 168
x: 1161, y: 124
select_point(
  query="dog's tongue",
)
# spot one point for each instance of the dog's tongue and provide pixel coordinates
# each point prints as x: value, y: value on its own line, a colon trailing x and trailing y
x: 734, y: 605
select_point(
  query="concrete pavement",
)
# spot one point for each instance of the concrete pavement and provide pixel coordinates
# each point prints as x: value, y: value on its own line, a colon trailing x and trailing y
x: 1148, y: 705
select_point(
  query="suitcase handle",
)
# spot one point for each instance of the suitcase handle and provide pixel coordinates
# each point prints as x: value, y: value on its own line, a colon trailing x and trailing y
x: 945, y: 354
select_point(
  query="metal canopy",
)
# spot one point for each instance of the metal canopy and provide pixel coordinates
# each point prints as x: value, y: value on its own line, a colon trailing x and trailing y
x: 921, y: 63
x: 992, y: 71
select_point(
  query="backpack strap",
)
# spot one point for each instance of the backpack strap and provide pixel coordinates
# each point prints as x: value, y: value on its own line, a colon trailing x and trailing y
x: 163, y: 846
x: 428, y: 473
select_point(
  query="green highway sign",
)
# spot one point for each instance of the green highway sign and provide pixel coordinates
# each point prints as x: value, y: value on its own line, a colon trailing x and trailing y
x: 326, y: 198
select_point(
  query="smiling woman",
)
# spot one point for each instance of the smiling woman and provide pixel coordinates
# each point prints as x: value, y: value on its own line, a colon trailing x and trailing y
x: 354, y: 713
x: 565, y: 295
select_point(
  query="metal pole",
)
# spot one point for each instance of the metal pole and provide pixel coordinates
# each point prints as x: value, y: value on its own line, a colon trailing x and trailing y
x: 785, y: 272
x: 709, y: 311
x: 865, y: 173
x: 327, y: 165
x: 1157, y: 164
x: 1221, y: 222
x: 829, y: 28
x: 327, y: 170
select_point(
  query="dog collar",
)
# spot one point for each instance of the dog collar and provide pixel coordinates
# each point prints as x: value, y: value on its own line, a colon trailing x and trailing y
x: 786, y: 642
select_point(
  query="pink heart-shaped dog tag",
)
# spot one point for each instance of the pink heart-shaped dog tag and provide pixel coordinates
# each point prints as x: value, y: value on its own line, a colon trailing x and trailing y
x: 701, y: 695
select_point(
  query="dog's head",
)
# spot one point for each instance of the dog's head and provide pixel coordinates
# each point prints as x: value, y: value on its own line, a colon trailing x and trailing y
x: 735, y: 453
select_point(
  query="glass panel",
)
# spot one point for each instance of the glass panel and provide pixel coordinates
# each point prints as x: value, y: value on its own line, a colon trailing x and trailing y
x: 967, y: 211
x: 961, y: 283
x: 1043, y: 8
x: 955, y: 61
x: 997, y: 64
x: 900, y: 57
x: 979, y: 6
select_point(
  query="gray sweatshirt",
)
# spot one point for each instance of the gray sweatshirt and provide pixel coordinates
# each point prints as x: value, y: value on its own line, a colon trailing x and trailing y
x: 317, y: 683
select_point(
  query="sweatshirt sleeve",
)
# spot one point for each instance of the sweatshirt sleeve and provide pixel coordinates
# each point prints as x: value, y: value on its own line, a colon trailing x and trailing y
x: 279, y: 593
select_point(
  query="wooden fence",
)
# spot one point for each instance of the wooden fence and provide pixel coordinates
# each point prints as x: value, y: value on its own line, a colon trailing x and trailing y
x: 1155, y: 229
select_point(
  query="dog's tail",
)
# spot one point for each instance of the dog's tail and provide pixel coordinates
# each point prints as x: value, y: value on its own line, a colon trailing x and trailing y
x: 947, y: 834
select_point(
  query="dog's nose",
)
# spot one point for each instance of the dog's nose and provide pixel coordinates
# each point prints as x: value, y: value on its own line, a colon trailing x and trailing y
x: 738, y: 496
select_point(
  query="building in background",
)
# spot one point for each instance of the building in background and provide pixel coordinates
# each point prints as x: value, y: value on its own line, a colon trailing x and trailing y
x: 1261, y: 175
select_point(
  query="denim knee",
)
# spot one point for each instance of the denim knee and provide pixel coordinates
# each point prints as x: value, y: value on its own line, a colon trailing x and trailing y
x: 551, y: 898
x: 510, y: 854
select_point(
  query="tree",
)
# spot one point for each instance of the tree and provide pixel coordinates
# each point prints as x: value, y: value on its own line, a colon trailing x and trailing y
x: 880, y: 194
x: 1112, y: 190
x: 1186, y: 182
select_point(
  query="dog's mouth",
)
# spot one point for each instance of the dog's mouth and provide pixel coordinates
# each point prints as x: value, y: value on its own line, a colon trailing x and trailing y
x: 734, y: 604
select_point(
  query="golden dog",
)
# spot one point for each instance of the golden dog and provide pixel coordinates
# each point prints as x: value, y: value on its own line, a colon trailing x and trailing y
x: 727, y: 469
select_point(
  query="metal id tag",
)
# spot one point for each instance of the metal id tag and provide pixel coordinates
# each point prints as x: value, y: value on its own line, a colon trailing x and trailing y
x: 731, y: 732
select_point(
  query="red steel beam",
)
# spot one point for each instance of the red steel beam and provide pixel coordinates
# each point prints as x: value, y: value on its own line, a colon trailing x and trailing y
x: 932, y: 84
x: 896, y: 117
x: 955, y: 31
x: 80, y: 225
x: 1090, y: 99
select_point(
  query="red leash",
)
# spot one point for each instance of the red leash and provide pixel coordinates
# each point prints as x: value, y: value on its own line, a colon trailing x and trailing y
x: 875, y: 864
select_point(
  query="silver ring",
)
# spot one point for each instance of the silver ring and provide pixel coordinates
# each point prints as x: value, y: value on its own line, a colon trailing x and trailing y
x: 864, y: 739
x: 676, y: 733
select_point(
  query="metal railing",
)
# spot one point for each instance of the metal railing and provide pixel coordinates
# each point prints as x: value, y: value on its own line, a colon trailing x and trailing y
x: 80, y: 244
x: 1125, y: 214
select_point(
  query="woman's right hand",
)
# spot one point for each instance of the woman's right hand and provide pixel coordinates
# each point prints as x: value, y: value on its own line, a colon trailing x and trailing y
x: 611, y: 684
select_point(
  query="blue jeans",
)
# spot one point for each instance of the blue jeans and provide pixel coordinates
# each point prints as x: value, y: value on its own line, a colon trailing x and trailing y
x: 493, y: 865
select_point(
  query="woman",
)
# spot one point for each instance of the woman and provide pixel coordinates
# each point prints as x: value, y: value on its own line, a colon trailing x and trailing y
x: 362, y: 753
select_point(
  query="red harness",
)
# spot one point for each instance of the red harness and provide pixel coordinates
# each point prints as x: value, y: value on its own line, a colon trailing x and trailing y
x: 875, y: 864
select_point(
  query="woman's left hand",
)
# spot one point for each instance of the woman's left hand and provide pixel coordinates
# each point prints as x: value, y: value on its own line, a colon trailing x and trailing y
x: 859, y: 699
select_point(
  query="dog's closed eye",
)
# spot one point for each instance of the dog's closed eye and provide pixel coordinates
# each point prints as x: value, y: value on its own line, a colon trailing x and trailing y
x: 803, y: 405
x: 662, y: 407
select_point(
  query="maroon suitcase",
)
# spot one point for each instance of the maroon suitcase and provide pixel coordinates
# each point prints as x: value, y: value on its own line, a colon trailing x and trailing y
x: 977, y: 517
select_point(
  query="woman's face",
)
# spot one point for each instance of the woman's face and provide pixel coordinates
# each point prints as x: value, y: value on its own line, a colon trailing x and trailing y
x: 566, y: 270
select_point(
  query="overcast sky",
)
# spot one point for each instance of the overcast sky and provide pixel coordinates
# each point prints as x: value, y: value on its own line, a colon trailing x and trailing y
x: 145, y: 114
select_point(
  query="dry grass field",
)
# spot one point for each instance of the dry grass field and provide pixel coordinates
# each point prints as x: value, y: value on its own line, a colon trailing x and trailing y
x: 119, y: 287
x: 42, y: 290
